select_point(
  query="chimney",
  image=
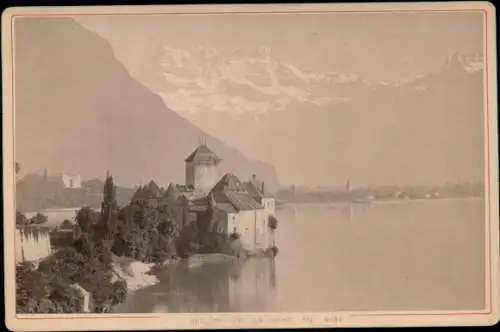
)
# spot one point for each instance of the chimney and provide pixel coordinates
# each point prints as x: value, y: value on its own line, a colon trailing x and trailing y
x: 254, y: 177
x: 262, y: 189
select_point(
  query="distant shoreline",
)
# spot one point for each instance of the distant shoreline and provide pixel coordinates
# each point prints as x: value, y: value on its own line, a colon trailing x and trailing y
x: 374, y: 201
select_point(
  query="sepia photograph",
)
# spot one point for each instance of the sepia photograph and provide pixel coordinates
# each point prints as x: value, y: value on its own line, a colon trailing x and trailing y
x: 250, y: 166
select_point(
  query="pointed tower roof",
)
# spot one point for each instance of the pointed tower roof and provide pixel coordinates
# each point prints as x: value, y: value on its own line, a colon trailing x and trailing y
x: 204, y: 154
x: 173, y: 191
x: 153, y: 188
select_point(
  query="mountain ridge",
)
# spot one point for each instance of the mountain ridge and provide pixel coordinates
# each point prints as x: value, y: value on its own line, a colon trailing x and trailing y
x: 200, y: 74
x: 432, y: 122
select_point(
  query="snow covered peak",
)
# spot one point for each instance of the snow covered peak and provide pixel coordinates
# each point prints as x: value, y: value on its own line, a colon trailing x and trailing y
x: 468, y: 63
x: 255, y: 81
x: 237, y: 81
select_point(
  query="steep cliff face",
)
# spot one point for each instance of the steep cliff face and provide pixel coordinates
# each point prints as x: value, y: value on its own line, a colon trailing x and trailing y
x: 79, y: 111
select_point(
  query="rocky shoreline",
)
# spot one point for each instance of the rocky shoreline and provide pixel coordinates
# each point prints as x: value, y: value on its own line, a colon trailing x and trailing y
x: 139, y: 275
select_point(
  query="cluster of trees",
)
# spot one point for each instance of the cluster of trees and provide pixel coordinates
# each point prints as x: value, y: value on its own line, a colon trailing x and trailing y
x: 148, y: 229
x: 87, y: 262
x: 49, y: 288
x: 40, y: 292
x: 22, y: 220
x: 195, y: 239
x: 146, y: 232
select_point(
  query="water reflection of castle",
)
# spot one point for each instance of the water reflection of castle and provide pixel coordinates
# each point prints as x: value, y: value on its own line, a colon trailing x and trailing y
x: 233, y: 287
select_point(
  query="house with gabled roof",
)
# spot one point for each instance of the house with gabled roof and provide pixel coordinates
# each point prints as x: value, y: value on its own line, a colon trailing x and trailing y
x: 238, y: 210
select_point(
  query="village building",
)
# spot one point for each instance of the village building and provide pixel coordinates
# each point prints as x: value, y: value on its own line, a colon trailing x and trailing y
x: 67, y: 181
x: 223, y: 204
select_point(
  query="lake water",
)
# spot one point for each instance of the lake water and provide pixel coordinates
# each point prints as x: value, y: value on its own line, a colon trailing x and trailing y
x: 412, y: 255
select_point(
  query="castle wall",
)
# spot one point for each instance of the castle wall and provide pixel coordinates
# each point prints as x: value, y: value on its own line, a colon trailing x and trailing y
x: 269, y: 204
x: 252, y: 226
x: 32, y: 243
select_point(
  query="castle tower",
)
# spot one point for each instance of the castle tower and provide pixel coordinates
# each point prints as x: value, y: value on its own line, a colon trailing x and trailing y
x: 202, y: 170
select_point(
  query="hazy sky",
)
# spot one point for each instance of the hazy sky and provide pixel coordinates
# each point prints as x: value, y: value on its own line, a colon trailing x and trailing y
x: 374, y: 46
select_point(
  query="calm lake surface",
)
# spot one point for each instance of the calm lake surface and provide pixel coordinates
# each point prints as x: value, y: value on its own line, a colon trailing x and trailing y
x: 411, y: 255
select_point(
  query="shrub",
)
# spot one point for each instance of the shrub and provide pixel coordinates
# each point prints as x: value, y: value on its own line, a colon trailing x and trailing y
x: 66, y: 224
x: 60, y: 239
x: 39, y: 291
x: 234, y: 236
x: 66, y: 299
x: 273, y: 222
x: 86, y: 218
x: 21, y: 219
x: 66, y: 263
x: 38, y: 219
x: 119, y: 292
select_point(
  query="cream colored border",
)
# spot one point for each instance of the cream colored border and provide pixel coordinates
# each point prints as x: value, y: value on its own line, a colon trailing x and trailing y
x: 261, y: 320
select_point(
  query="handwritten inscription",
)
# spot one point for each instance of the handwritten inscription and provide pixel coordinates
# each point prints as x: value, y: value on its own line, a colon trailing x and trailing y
x: 333, y: 319
x: 257, y: 321
x: 281, y: 319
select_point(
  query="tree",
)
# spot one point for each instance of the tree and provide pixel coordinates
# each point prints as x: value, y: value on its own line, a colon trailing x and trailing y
x: 273, y: 222
x: 84, y: 245
x: 146, y: 229
x: 86, y: 218
x: 109, y: 213
x: 66, y: 224
x: 21, y: 219
x: 38, y: 219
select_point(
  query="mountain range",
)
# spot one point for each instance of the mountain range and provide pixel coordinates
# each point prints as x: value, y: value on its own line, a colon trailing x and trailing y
x: 79, y: 111
x: 327, y: 127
